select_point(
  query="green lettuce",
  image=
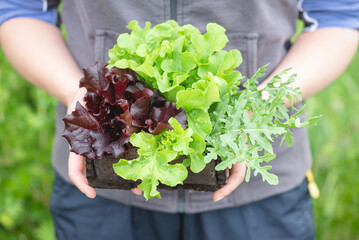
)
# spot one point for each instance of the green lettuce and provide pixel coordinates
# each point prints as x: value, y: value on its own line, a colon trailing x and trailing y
x: 192, y: 70
x: 187, y: 67
x: 155, y: 154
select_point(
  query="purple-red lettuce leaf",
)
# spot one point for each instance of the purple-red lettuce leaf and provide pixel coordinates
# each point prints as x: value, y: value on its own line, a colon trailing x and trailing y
x: 87, y: 138
x: 160, y: 116
x: 117, y: 105
x: 95, y: 78
x: 140, y: 112
x: 138, y: 90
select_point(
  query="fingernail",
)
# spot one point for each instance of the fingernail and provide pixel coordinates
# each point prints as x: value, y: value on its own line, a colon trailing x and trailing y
x: 90, y: 196
x: 136, y: 191
x: 218, y: 199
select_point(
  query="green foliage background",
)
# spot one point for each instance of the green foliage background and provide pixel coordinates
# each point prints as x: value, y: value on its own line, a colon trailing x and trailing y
x: 26, y: 132
x: 334, y: 143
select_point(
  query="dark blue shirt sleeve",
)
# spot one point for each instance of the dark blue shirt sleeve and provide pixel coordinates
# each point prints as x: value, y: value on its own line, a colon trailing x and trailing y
x: 329, y: 13
x: 38, y: 9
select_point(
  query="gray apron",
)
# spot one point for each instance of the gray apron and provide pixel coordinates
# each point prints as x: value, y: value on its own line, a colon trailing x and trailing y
x: 261, y: 30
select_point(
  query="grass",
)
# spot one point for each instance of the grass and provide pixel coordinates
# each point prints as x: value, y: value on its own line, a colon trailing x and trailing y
x: 26, y: 132
x: 334, y: 144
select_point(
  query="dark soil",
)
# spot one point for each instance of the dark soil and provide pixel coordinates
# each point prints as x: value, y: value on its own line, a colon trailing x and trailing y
x: 100, y: 174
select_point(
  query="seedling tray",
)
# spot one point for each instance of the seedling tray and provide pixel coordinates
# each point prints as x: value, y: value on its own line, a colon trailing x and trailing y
x: 100, y: 174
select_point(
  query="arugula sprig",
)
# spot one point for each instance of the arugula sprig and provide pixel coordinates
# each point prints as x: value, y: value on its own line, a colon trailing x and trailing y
x: 237, y: 137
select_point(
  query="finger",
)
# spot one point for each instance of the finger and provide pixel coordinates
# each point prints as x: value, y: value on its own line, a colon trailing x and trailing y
x: 76, y: 171
x: 136, y: 191
x: 78, y: 97
x: 236, y: 177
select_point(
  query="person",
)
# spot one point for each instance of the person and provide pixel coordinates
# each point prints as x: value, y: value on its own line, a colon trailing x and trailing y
x: 261, y: 30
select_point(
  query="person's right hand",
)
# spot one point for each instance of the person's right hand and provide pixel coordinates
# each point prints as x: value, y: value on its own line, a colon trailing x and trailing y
x: 76, y: 163
x: 77, y: 174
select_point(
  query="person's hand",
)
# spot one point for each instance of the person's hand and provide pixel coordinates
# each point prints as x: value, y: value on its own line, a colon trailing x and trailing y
x: 76, y: 163
x: 77, y: 174
x: 236, y: 177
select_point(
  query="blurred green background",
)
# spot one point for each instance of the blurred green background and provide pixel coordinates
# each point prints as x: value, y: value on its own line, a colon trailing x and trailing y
x: 26, y: 133
x: 27, y: 127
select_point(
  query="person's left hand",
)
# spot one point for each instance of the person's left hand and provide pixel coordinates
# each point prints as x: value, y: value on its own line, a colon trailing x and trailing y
x: 236, y: 177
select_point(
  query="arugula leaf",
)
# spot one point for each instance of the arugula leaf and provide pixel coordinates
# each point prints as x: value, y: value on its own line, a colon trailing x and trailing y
x: 236, y: 137
x: 254, y: 163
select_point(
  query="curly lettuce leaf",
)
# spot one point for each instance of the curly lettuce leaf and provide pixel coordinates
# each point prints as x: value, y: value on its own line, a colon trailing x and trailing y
x: 180, y: 61
x: 156, y: 152
x: 117, y: 105
x: 213, y: 40
x: 87, y: 138
x: 151, y: 166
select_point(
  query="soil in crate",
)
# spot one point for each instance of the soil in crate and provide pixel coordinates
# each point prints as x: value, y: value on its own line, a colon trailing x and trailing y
x: 100, y: 174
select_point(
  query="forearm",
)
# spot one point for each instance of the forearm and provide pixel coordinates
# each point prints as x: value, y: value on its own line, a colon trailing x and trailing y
x: 319, y: 57
x: 38, y: 52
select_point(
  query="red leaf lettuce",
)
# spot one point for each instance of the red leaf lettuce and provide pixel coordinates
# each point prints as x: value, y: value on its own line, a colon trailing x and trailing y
x: 117, y: 105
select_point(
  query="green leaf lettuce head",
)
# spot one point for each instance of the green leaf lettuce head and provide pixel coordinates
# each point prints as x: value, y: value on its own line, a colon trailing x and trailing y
x: 182, y: 63
x: 156, y: 152
x: 194, y: 71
